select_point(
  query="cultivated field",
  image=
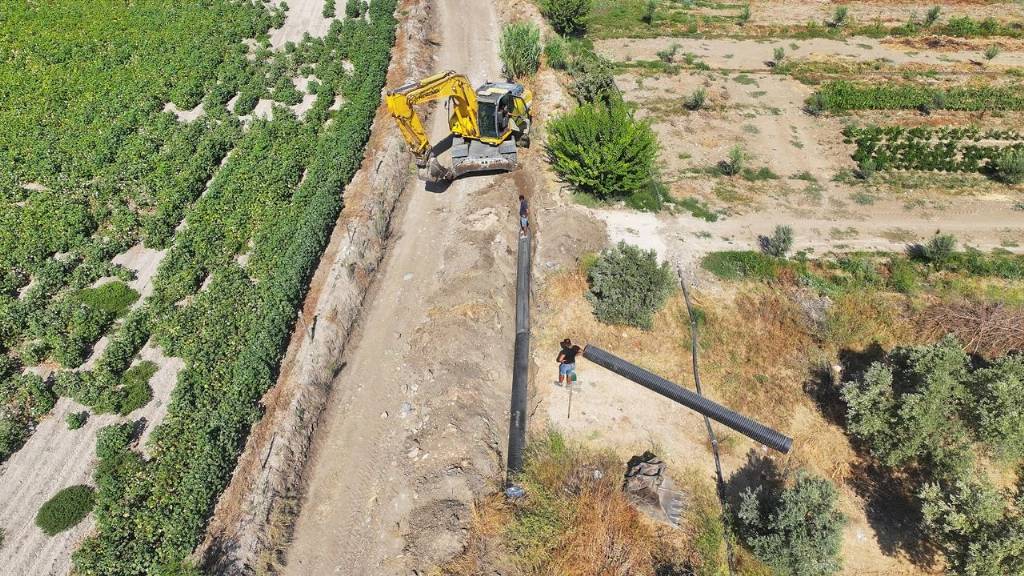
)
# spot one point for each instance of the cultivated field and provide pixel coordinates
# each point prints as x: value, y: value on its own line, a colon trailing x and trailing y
x: 171, y: 175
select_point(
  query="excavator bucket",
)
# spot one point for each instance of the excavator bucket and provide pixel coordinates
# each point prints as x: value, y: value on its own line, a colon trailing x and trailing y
x: 470, y: 156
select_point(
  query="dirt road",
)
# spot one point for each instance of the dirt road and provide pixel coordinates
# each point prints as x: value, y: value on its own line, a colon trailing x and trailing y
x: 415, y: 424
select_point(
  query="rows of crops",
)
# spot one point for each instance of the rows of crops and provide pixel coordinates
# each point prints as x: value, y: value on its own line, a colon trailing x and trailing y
x: 112, y: 170
x: 946, y: 149
x: 843, y: 96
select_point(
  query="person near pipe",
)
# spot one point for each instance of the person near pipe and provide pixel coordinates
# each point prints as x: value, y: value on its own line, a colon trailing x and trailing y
x: 567, y: 362
x: 524, y: 216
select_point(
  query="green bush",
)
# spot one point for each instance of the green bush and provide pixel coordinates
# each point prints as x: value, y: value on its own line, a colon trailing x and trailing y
x: 355, y: 8
x: 627, y: 286
x: 734, y: 164
x: 650, y: 7
x: 939, y: 249
x: 779, y: 243
x: 285, y: 92
x: 650, y: 199
x: 798, y: 531
x: 557, y: 53
x: 76, y: 420
x: 602, y: 151
x: 696, y: 99
x: 1009, y: 166
x: 113, y: 440
x: 66, y: 509
x: 741, y: 265
x: 329, y: 9
x: 136, y: 390
x: 566, y: 16
x: 112, y: 297
x: 991, y: 52
x: 908, y: 409
x: 999, y: 393
x: 932, y: 16
x: 519, y: 49
x: 593, y: 79
x: 866, y: 169
x: 778, y: 55
x: 839, y: 17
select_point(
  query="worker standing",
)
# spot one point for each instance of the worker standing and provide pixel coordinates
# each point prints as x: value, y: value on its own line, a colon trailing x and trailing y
x: 567, y: 362
x: 524, y: 216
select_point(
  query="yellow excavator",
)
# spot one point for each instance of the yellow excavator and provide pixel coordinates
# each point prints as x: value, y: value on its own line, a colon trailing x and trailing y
x: 487, y: 123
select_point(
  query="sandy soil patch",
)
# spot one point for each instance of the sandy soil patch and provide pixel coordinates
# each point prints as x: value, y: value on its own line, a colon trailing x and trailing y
x: 185, y: 115
x: 145, y: 262
x: 303, y: 16
x: 723, y: 53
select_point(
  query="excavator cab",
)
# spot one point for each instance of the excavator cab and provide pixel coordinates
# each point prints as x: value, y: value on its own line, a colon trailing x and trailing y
x: 487, y: 124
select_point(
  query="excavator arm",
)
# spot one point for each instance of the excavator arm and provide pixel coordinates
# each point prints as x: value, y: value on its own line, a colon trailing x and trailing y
x: 446, y: 85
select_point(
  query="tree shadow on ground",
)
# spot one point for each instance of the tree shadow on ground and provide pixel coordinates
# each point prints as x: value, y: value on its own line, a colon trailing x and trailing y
x: 760, y: 470
x: 893, y: 511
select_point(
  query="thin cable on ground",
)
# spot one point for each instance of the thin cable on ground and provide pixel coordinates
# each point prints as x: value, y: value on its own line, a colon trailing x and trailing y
x: 707, y: 423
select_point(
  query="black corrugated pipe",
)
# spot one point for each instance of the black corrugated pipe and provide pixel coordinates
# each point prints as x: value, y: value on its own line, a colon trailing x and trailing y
x: 521, y: 364
x: 716, y: 412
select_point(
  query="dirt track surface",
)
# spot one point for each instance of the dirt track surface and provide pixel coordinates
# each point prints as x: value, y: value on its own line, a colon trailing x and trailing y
x: 415, y: 425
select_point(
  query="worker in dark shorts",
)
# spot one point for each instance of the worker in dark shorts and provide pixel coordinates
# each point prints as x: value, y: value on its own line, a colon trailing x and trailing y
x: 524, y: 216
x: 567, y: 362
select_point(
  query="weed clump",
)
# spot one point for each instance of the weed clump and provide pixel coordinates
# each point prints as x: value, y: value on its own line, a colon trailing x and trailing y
x: 628, y: 285
x: 519, y: 49
x: 1009, y: 167
x: 696, y: 100
x: 557, y: 53
x: 76, y: 420
x: 66, y: 509
x: 779, y: 243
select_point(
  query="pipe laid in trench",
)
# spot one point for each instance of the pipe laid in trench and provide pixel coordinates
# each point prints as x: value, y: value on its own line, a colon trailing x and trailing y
x: 749, y: 428
x: 521, y: 363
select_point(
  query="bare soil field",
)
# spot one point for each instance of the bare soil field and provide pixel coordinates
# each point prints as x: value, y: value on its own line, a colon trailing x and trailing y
x: 790, y: 12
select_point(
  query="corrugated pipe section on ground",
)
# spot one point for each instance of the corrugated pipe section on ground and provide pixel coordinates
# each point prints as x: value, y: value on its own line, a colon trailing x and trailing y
x: 754, y: 430
x: 520, y: 369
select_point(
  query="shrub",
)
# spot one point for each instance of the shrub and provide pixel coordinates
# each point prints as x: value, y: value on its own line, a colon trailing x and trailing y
x: 76, y: 420
x: 557, y: 53
x: 329, y: 9
x: 744, y: 15
x: 939, y: 249
x: 932, y: 16
x: 669, y: 54
x: 696, y: 100
x: 627, y: 286
x: 999, y: 390
x: 734, y: 164
x: 66, y: 509
x: 866, y: 168
x: 650, y: 198
x: 602, y: 151
x: 991, y: 52
x: 797, y: 532
x: 1009, y: 166
x: 285, y: 92
x: 907, y: 409
x: 566, y: 16
x: 136, y: 391
x: 593, y: 79
x: 779, y: 243
x: 839, y: 17
x: 113, y: 440
x: 355, y: 8
x: 34, y: 352
x: 741, y: 265
x: 650, y: 7
x: 519, y: 49
x: 778, y: 55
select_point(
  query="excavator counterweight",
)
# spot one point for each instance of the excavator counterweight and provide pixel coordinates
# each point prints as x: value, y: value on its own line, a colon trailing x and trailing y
x: 487, y: 124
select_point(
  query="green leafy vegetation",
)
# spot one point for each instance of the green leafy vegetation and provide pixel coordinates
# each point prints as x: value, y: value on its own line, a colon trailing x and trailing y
x: 557, y: 53
x: 628, y: 285
x: 947, y: 149
x: 66, y: 509
x: 566, y: 16
x: 779, y: 243
x: 923, y: 408
x: 696, y: 100
x: 76, y: 420
x: 112, y: 297
x: 843, y: 95
x: 796, y: 530
x: 735, y: 162
x: 24, y: 400
x: 602, y: 151
x: 519, y: 49
x: 330, y: 9
x: 741, y: 265
x: 593, y: 79
x: 698, y: 209
x: 356, y: 8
